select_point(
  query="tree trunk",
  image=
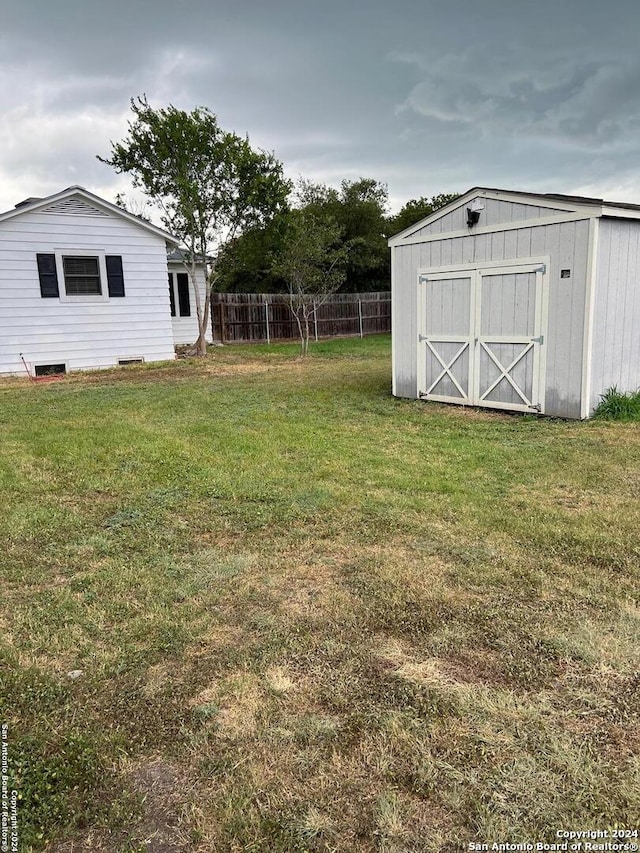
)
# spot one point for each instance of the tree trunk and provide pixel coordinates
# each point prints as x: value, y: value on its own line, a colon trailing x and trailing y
x: 201, y: 344
x: 296, y: 313
x: 305, y: 342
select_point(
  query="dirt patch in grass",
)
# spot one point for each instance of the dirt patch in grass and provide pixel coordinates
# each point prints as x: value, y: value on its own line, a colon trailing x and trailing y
x: 477, y: 667
x: 163, y: 793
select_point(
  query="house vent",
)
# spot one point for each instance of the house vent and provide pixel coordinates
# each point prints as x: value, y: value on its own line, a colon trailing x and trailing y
x: 74, y: 206
x: 50, y: 369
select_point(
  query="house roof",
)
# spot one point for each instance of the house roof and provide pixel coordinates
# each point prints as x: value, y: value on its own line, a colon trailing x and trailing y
x: 181, y: 254
x: 569, y: 203
x: 32, y: 204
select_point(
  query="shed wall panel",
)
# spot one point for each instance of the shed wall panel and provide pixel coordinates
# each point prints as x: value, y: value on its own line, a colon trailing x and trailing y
x: 616, y: 319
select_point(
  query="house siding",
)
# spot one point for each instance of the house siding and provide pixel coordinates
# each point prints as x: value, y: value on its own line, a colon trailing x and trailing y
x: 82, y: 334
x: 185, y: 329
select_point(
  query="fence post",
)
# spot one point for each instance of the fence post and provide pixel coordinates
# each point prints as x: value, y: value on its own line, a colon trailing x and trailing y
x: 266, y: 314
x: 222, y: 321
x: 360, y: 315
x: 315, y: 319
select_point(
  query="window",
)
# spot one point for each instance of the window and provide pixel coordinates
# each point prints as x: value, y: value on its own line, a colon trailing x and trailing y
x: 81, y: 276
x: 183, y: 294
x: 179, y: 281
x: 84, y: 276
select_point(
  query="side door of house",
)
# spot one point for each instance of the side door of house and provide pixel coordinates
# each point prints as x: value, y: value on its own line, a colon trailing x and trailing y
x: 481, y: 336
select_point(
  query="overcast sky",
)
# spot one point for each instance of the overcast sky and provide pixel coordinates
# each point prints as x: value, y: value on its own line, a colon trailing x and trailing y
x: 424, y: 96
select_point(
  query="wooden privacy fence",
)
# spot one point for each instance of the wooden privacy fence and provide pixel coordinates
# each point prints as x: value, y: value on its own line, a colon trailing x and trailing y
x: 268, y: 317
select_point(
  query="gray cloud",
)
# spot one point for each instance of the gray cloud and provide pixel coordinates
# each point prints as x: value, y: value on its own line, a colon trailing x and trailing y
x: 425, y: 96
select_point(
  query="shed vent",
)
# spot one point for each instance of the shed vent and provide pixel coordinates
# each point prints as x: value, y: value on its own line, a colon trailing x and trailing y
x: 74, y: 206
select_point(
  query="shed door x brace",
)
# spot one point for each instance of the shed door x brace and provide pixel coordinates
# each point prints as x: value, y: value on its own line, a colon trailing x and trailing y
x: 481, y: 336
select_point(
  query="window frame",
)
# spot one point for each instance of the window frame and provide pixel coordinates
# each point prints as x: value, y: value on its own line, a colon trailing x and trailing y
x: 176, y: 294
x: 102, y: 270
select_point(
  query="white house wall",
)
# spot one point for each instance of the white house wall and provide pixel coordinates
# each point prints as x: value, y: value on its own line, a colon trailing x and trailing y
x: 616, y: 318
x: 81, y: 334
x: 566, y: 244
x: 496, y: 212
x: 185, y: 329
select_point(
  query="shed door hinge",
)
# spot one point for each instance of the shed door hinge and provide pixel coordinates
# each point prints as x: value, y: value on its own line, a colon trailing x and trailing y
x: 538, y: 340
x: 542, y: 269
x: 422, y: 338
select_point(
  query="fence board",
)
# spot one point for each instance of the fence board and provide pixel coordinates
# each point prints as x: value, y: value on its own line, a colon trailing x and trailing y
x: 266, y: 316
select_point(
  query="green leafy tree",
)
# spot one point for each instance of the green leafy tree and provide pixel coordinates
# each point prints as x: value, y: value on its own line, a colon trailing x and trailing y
x: 209, y: 184
x: 363, y: 206
x: 416, y: 209
x: 359, y: 208
x: 311, y: 262
x: 244, y: 263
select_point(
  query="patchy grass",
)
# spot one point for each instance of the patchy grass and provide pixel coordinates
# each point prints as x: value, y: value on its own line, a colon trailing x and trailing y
x: 310, y: 617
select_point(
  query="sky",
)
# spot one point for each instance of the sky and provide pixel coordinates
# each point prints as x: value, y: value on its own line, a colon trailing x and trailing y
x: 426, y: 97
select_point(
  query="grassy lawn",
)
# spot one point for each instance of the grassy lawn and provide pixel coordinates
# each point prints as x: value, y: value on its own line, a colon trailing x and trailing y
x: 310, y: 617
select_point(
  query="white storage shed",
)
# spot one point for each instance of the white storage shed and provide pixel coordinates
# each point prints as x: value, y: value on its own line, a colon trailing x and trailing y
x: 518, y: 301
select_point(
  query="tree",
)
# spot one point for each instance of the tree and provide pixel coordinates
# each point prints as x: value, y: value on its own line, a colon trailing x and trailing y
x: 359, y: 208
x: 244, y: 263
x: 363, y: 207
x: 310, y: 261
x: 137, y: 206
x: 415, y: 210
x: 209, y: 184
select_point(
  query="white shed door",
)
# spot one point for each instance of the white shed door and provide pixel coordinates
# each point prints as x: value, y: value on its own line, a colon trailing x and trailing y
x: 482, y: 339
x: 447, y: 338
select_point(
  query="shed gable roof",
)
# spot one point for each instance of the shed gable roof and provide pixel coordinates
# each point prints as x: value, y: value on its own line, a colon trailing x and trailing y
x: 77, y: 200
x: 541, y: 206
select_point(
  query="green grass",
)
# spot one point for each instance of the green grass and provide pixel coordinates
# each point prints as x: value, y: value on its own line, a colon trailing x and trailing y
x: 616, y: 406
x: 309, y: 616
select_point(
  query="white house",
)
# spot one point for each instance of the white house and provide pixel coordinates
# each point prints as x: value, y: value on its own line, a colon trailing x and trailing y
x: 519, y: 301
x: 83, y: 284
x: 182, y: 299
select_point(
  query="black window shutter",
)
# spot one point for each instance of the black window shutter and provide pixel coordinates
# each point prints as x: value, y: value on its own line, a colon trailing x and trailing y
x: 183, y: 294
x: 172, y: 297
x: 48, y: 276
x: 115, y: 276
